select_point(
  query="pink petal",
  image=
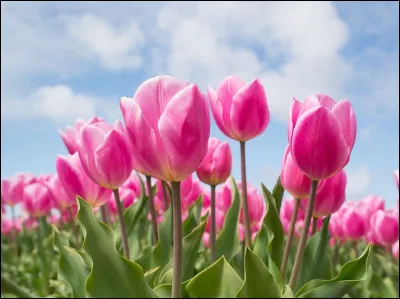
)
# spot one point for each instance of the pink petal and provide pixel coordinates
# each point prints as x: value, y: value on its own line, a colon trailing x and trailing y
x: 347, y: 119
x: 293, y: 114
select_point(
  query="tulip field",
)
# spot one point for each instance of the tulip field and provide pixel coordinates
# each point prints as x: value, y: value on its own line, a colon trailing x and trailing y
x: 149, y: 208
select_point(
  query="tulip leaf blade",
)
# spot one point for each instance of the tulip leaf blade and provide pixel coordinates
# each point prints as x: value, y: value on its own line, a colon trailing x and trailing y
x: 277, y: 193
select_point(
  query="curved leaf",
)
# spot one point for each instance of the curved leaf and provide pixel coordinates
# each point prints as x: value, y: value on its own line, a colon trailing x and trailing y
x: 217, y: 281
x: 112, y: 275
x: 228, y: 240
x: 350, y: 274
x: 258, y: 281
x: 193, y: 219
x: 277, y: 193
x: 71, y: 266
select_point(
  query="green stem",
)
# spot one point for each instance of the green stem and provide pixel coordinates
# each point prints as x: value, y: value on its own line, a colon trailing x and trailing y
x: 73, y: 227
x: 213, y: 234
x: 164, y: 190
x: 355, y: 247
x: 8, y: 286
x: 288, y: 244
x: 245, y: 206
x: 121, y: 223
x: 43, y: 256
x: 153, y: 213
x: 314, y: 225
x: 177, y: 236
x: 304, y: 234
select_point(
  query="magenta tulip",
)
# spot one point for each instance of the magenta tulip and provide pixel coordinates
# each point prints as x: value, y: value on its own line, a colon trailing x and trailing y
x: 76, y: 182
x: 217, y: 164
x: 330, y: 195
x: 168, y: 124
x: 71, y: 134
x: 385, y: 227
x: 353, y: 224
x: 240, y: 110
x: 37, y: 199
x: 287, y: 209
x: 321, y: 135
x: 60, y: 197
x: 292, y: 179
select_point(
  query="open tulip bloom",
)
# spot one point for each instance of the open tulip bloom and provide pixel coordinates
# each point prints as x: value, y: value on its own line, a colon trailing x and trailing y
x: 149, y: 207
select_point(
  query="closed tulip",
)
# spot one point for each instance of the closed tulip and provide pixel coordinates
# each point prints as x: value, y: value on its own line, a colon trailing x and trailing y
x: 12, y: 189
x: 330, y: 195
x: 240, y: 110
x: 321, y: 135
x: 105, y: 154
x: 385, y: 227
x: 353, y: 224
x: 76, y: 182
x: 217, y: 164
x: 37, y: 199
x: 60, y: 197
x: 168, y: 124
x: 287, y: 209
x: 292, y: 178
x: 70, y: 135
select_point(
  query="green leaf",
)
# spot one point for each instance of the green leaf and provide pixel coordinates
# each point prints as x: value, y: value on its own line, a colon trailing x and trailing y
x: 261, y: 243
x: 165, y: 290
x: 217, y: 281
x: 151, y: 275
x: 162, y: 250
x: 350, y: 274
x: 228, y: 241
x: 316, y: 262
x: 277, y: 193
x: 112, y: 275
x: 258, y: 281
x: 193, y: 219
x: 71, y: 266
x: 287, y: 293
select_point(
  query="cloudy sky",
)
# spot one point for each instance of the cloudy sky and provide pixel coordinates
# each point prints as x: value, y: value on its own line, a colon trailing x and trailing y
x: 64, y: 60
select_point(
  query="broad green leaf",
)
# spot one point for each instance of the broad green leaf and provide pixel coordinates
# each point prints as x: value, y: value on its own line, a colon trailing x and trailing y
x: 193, y: 218
x: 350, y: 274
x: 145, y: 259
x: 261, y: 243
x: 258, y: 281
x: 165, y: 290
x: 228, y: 240
x: 151, y: 275
x: 112, y: 275
x: 316, y: 262
x: 287, y: 293
x: 71, y: 266
x: 277, y: 193
x: 162, y: 250
x: 167, y: 277
x: 217, y: 281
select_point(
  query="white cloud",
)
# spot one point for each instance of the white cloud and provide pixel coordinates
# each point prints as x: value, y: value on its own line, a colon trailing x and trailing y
x: 115, y: 48
x: 58, y: 103
x: 358, y: 180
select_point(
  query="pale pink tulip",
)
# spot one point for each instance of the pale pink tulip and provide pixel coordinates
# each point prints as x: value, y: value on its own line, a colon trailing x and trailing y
x: 321, y: 135
x: 76, y: 182
x: 385, y: 227
x: 240, y: 110
x: 60, y: 197
x: 37, y: 199
x: 12, y: 189
x: 168, y: 124
x: 127, y: 197
x: 287, y: 209
x: 217, y: 164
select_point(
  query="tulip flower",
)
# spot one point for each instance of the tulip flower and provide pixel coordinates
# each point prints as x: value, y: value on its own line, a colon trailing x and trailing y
x: 385, y: 227
x: 60, y: 197
x: 353, y: 224
x: 71, y: 134
x: 12, y: 189
x: 37, y: 199
x: 214, y: 170
x: 168, y: 124
x: 320, y: 125
x: 241, y: 112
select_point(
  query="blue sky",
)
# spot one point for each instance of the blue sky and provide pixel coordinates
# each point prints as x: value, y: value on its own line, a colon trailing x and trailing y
x: 64, y: 60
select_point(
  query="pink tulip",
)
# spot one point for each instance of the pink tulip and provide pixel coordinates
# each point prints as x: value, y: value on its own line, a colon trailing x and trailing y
x: 54, y: 219
x: 8, y: 226
x: 105, y: 154
x: 37, y: 199
x: 60, y: 197
x: 287, y: 209
x: 385, y: 227
x: 353, y: 224
x: 76, y: 182
x: 71, y: 134
x: 30, y: 222
x: 133, y: 184
x: 330, y: 195
x: 127, y: 198
x: 395, y: 249
x: 292, y: 179
x: 371, y: 204
x: 321, y: 135
x: 336, y: 225
x: 191, y: 190
x: 240, y: 110
x: 396, y: 177
x: 298, y: 228
x: 217, y: 164
x: 285, y: 225
x: 12, y: 189
x: 168, y: 124
x: 66, y: 214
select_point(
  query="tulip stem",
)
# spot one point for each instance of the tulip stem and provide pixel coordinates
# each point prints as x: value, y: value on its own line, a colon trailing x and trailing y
x: 104, y: 214
x: 355, y: 247
x: 9, y: 286
x: 245, y: 207
x: 177, y: 232
x: 73, y: 227
x: 304, y: 234
x: 288, y: 244
x: 213, y: 226
x: 164, y: 190
x: 43, y: 257
x: 121, y: 223
x: 314, y: 225
x: 152, y: 210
